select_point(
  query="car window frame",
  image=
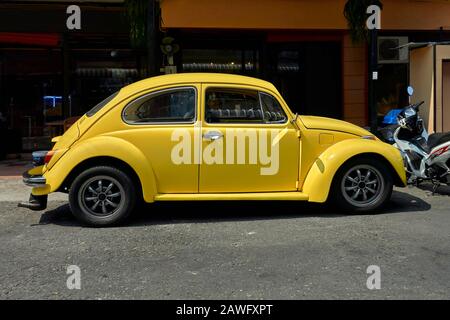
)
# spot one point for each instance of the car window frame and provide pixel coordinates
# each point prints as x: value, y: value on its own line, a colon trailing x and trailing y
x: 258, y: 90
x: 159, y: 92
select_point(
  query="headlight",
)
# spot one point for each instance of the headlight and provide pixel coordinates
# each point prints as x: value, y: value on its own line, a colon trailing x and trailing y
x: 369, y: 137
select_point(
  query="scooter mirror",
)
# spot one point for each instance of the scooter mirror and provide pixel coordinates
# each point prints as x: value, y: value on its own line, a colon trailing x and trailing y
x: 410, y: 90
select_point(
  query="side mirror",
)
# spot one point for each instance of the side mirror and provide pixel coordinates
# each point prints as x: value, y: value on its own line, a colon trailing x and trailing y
x: 410, y: 90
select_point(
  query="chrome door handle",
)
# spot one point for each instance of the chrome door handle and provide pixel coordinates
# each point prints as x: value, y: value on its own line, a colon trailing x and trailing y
x: 212, y: 135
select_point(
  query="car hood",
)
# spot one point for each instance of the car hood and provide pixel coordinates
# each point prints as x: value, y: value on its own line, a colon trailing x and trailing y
x: 321, y: 123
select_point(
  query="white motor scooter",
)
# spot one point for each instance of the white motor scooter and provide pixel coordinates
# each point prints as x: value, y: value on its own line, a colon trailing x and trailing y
x: 426, y: 157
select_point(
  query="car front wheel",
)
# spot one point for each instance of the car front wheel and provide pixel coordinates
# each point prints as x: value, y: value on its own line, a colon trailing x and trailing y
x: 102, y: 196
x: 362, y: 185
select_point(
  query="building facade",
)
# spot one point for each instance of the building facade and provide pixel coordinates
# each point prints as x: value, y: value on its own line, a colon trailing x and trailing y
x: 304, y: 48
x: 49, y: 73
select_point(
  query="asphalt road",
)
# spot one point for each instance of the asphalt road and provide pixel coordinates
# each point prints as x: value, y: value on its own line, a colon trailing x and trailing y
x: 249, y: 250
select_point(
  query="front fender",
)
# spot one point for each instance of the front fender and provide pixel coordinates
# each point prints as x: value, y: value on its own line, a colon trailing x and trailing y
x: 320, y: 177
x: 101, y: 146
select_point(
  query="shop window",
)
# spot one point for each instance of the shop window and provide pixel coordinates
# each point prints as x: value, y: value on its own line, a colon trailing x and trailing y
x: 223, y: 61
x: 30, y: 93
x: 288, y: 61
x: 99, y: 73
x: 177, y: 105
x: 52, y: 107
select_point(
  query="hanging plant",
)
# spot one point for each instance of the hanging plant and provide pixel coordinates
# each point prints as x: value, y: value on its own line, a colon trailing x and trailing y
x: 136, y: 13
x: 356, y: 15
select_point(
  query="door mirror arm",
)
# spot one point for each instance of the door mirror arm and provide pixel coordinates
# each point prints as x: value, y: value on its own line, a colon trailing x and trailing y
x: 294, y: 122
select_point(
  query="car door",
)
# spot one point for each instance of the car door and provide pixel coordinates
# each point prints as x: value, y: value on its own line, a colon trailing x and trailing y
x: 159, y: 122
x: 248, y: 141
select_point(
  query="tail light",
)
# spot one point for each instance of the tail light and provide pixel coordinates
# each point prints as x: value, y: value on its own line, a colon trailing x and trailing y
x: 38, y: 158
x: 49, y: 156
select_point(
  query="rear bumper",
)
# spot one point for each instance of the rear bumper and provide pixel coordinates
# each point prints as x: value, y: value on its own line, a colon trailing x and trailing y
x: 33, y: 180
x: 38, y: 182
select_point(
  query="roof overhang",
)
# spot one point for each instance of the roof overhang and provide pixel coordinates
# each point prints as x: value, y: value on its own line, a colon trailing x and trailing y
x: 416, y: 45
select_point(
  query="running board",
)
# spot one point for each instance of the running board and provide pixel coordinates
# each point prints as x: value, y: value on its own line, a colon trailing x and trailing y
x: 294, y: 195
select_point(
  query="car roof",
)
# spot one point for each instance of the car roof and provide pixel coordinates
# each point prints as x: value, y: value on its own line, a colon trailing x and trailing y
x: 189, y: 78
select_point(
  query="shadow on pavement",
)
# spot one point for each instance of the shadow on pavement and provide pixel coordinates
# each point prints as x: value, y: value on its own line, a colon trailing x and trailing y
x: 218, y: 211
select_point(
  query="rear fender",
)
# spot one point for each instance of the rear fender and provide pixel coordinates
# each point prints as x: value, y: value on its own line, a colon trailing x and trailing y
x: 101, y: 146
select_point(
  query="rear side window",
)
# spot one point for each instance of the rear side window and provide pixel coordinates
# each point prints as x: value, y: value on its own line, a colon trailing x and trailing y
x: 101, y: 104
x: 173, y: 105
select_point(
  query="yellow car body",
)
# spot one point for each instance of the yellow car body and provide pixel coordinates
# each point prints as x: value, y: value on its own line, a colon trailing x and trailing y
x: 311, y: 149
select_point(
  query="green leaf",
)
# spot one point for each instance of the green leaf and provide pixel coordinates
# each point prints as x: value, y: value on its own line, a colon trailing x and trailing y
x: 136, y: 14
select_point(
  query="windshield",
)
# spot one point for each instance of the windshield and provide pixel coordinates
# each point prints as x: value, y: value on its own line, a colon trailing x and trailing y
x: 101, y: 104
x: 409, y: 112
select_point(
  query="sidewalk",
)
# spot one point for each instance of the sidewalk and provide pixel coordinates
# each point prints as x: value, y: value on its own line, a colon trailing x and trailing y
x: 11, y: 185
x: 14, y: 168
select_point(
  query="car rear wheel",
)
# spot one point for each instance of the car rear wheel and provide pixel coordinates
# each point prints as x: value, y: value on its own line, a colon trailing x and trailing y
x: 102, y: 196
x: 362, y: 185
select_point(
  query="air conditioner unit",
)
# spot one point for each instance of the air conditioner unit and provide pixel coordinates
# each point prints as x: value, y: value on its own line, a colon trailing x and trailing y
x: 388, y: 51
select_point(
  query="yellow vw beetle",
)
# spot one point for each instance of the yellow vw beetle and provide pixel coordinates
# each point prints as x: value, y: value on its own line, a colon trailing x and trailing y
x: 209, y: 137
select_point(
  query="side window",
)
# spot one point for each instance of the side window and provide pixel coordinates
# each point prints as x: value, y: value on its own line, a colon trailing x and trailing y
x: 232, y: 106
x: 273, y: 112
x: 174, y: 105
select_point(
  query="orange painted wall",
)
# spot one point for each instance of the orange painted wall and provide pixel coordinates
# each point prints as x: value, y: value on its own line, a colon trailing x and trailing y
x: 299, y: 14
x: 442, y: 112
x: 354, y: 82
x: 252, y: 14
x: 422, y: 80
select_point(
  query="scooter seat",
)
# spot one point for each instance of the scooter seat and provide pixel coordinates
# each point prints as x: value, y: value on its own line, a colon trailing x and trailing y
x: 436, y: 139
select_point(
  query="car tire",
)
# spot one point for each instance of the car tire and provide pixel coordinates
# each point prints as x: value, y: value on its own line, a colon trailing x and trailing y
x: 355, y: 190
x: 102, y: 196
